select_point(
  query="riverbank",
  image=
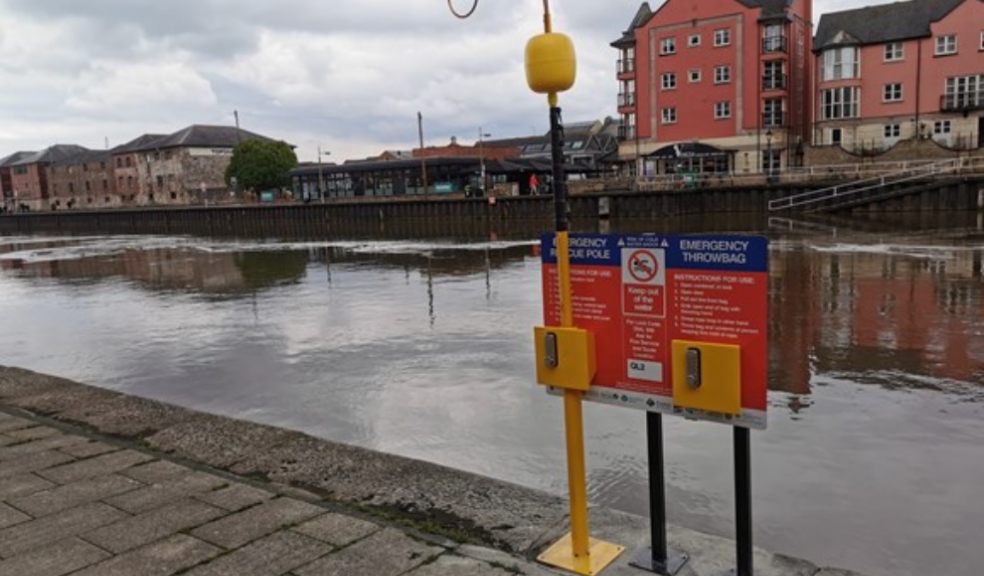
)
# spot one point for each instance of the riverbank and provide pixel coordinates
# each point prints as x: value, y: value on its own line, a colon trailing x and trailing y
x: 91, y: 477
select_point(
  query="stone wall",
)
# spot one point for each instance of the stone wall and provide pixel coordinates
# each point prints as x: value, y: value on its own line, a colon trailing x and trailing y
x: 905, y: 150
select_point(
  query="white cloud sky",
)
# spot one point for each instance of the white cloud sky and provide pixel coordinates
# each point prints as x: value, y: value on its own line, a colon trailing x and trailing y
x: 347, y: 74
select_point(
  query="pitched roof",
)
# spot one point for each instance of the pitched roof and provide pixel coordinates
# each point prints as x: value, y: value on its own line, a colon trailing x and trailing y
x: 201, y: 136
x: 769, y: 7
x: 137, y: 143
x: 14, y: 158
x: 643, y: 14
x: 84, y: 157
x: 50, y: 155
x: 882, y: 23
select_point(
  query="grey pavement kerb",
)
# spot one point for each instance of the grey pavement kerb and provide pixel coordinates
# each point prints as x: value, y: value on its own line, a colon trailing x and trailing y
x: 427, y: 497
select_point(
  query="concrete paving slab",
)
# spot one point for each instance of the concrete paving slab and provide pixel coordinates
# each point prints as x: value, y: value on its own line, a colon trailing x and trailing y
x: 337, y: 529
x: 50, y: 529
x: 22, y: 485
x: 10, y: 516
x: 170, y: 556
x: 61, y: 398
x: 451, y: 565
x: 216, y: 441
x: 488, y: 511
x: 149, y: 497
x: 98, y: 466
x: 75, y: 494
x: 12, y: 424
x: 157, y: 472
x: 88, y: 449
x: 273, y: 555
x: 17, y: 382
x: 41, y: 445
x: 240, y: 528
x: 235, y: 497
x: 35, y: 433
x: 58, y: 559
x: 386, y: 553
x: 126, y: 415
x: 33, y: 463
x: 135, y: 531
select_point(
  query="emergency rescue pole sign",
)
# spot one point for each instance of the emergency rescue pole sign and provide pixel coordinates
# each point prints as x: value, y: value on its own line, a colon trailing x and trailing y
x: 680, y: 327
x: 640, y: 294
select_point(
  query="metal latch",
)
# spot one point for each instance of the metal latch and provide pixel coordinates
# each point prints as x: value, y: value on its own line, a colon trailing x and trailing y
x: 693, y: 368
x: 550, y: 350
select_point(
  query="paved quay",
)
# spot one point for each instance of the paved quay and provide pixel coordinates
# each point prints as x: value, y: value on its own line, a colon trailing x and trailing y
x: 97, y: 483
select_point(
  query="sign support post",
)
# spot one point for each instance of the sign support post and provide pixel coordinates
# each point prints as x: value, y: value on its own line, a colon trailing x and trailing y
x: 658, y: 559
x: 743, y: 501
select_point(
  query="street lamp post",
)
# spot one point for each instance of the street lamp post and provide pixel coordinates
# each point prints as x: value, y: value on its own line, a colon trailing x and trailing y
x: 483, y: 185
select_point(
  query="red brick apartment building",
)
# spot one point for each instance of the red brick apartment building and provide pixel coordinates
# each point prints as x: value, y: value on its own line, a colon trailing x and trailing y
x: 716, y: 86
x: 901, y: 71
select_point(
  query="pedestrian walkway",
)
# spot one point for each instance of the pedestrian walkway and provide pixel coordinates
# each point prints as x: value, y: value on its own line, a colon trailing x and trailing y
x: 74, y: 505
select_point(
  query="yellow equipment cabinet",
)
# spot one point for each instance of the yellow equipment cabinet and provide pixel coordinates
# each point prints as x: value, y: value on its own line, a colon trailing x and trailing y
x: 707, y: 376
x: 565, y: 357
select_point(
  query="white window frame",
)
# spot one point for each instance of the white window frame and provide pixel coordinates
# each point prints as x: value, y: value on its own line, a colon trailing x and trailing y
x: 693, y: 41
x: 722, y: 110
x: 667, y: 46
x: 668, y: 115
x: 981, y: 47
x: 668, y: 81
x: 890, y: 94
x: 722, y: 37
x: 691, y: 79
x: 722, y: 74
x: 943, y: 45
x: 892, y: 131
x: 894, y: 52
x: 941, y: 127
x: 768, y: 116
x: 841, y: 63
x: 840, y: 103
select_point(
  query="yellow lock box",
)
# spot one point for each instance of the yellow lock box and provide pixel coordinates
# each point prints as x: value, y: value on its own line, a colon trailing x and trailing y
x: 565, y: 357
x: 706, y: 376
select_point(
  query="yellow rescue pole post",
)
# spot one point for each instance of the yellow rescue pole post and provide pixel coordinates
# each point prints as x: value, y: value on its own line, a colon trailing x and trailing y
x: 551, y: 68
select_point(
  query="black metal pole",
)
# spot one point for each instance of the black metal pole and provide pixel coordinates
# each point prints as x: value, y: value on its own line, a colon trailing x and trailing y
x: 743, y: 500
x: 559, y: 180
x: 658, y: 559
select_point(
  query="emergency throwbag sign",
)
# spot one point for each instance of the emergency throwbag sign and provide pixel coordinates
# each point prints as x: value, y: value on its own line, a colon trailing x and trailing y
x: 646, y: 296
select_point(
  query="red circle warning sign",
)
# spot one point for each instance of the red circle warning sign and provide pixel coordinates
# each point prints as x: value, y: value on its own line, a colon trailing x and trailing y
x: 643, y: 265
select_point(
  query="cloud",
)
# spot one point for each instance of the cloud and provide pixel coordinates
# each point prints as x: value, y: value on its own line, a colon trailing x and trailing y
x: 350, y: 74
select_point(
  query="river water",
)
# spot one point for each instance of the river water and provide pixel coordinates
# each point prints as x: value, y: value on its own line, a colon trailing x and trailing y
x: 874, y: 456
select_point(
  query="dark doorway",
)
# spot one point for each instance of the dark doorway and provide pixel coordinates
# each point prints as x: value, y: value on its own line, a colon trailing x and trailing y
x: 980, y: 132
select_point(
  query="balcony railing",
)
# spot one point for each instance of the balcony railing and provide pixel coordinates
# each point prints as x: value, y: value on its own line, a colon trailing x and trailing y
x: 626, y: 99
x: 962, y: 101
x: 775, y: 81
x: 626, y: 133
x: 626, y: 65
x: 772, y: 44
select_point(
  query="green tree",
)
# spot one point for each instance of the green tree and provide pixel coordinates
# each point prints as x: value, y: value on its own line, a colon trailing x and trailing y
x: 260, y: 165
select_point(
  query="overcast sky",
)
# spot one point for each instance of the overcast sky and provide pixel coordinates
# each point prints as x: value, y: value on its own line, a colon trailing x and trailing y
x: 347, y: 74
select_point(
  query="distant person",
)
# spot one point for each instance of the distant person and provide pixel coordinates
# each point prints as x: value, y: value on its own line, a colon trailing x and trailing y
x: 534, y: 184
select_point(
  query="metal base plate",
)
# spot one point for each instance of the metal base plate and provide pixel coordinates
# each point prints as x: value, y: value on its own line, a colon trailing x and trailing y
x: 675, y: 561
x: 561, y: 555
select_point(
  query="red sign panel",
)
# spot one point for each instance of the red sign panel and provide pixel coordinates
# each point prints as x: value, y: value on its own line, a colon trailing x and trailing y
x: 639, y: 293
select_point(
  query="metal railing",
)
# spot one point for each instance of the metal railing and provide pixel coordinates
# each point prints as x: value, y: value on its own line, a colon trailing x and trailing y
x: 772, y: 44
x: 626, y: 132
x: 962, y: 101
x: 626, y: 99
x: 872, y: 171
x: 625, y: 65
x: 910, y: 172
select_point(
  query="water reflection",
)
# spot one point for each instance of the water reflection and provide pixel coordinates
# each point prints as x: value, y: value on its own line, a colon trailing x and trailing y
x: 422, y: 348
